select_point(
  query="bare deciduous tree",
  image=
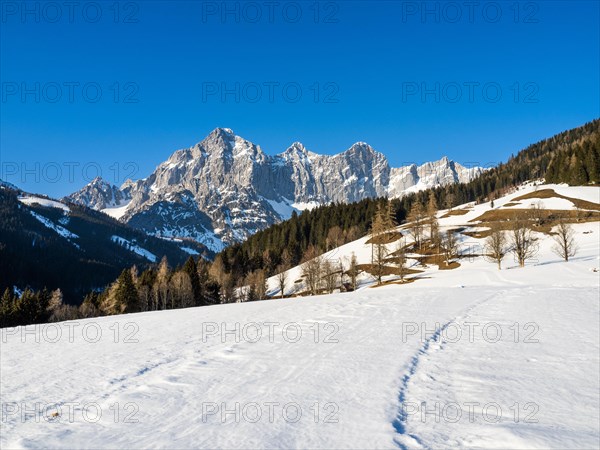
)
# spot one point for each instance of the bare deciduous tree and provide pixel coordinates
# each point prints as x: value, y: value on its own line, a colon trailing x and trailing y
x: 401, y: 259
x: 329, y: 275
x: 353, y: 271
x: 382, y: 224
x: 160, y: 290
x: 496, y: 246
x: 182, y: 295
x: 255, y: 286
x: 342, y: 273
x: 449, y: 245
x: 335, y: 235
x: 434, y: 226
x: 416, y: 216
x: 312, y: 270
x: 565, y: 245
x: 523, y: 243
x: 281, y: 279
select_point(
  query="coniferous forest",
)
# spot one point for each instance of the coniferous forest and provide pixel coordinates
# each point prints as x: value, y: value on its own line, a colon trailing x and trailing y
x: 571, y: 157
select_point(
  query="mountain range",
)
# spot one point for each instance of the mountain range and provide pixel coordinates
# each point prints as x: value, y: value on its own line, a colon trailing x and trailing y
x: 56, y: 244
x: 226, y: 188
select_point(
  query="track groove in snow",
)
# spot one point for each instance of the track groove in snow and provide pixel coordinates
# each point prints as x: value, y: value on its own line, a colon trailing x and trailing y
x: 406, y: 440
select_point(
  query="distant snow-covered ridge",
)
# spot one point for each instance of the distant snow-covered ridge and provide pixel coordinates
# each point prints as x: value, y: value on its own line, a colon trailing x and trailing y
x: 225, y: 188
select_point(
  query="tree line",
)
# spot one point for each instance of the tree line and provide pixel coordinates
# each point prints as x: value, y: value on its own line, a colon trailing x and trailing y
x: 337, y: 224
x: 240, y: 271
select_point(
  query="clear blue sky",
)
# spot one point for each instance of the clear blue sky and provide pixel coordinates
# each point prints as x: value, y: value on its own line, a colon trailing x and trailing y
x: 374, y: 55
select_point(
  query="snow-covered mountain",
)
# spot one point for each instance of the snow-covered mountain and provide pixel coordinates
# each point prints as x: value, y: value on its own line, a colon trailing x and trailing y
x: 225, y: 188
x: 51, y: 243
x: 99, y: 194
x: 470, y: 357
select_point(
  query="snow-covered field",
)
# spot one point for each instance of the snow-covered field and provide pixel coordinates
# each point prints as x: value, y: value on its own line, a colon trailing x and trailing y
x: 472, y: 357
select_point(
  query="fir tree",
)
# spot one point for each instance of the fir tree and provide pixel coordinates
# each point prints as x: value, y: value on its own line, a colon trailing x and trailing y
x: 191, y: 269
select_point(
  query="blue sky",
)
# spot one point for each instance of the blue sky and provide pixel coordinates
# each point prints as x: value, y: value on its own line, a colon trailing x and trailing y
x: 116, y: 93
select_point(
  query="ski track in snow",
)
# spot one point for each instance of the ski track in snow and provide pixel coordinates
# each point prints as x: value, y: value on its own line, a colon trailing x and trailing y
x: 400, y: 424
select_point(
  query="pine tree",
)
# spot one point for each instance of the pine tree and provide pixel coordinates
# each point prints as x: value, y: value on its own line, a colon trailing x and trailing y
x: 190, y: 267
x: 578, y: 176
x: 126, y: 296
x: 7, y: 309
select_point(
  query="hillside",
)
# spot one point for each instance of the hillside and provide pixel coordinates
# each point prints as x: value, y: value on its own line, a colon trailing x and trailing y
x: 579, y: 146
x: 471, y: 224
x: 468, y: 357
x: 53, y: 244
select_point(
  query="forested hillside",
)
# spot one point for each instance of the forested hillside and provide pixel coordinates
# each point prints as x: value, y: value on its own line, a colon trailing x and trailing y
x: 71, y: 248
x: 571, y: 157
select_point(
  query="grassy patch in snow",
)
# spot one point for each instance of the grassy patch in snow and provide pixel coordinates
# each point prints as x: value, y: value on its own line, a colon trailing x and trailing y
x: 551, y: 193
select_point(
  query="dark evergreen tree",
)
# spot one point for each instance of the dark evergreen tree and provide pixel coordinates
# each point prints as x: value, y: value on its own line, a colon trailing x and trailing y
x: 126, y: 296
x: 191, y: 269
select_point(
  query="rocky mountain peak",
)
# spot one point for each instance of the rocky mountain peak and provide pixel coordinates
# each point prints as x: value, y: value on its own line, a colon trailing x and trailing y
x: 225, y: 188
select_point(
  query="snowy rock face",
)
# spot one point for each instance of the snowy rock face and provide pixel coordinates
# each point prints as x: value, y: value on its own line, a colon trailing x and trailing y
x: 225, y: 188
x: 413, y: 178
x: 99, y: 194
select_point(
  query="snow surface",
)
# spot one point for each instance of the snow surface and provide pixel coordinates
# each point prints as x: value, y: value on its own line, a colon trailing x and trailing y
x: 32, y: 200
x: 283, y: 208
x: 515, y: 352
x: 49, y: 224
x: 189, y: 250
x: 116, y: 212
x: 133, y: 247
x: 301, y: 206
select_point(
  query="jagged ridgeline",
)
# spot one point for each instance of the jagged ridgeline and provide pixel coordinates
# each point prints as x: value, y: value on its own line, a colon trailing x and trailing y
x: 571, y: 157
x: 225, y: 188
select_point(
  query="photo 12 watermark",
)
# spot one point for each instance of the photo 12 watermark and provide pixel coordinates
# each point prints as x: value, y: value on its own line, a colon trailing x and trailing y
x: 470, y: 12
x: 66, y: 171
x: 471, y: 332
x: 69, y: 92
x: 470, y: 412
x: 270, y: 92
x: 69, y: 12
x: 527, y: 92
x: 270, y: 412
x: 69, y: 332
x: 69, y: 412
x: 270, y: 12
x: 253, y: 332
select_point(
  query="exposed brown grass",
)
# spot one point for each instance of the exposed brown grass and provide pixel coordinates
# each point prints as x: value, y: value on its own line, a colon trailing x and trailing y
x: 451, y: 266
x: 502, y: 219
x: 386, y: 238
x: 550, y: 193
x: 478, y: 234
x: 387, y: 270
x: 456, y: 212
x: 511, y: 204
x: 497, y: 215
x: 387, y: 283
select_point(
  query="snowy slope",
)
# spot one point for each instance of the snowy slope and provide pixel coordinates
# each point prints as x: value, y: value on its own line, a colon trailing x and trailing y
x: 469, y: 245
x: 364, y: 369
x: 133, y: 247
x: 35, y: 200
